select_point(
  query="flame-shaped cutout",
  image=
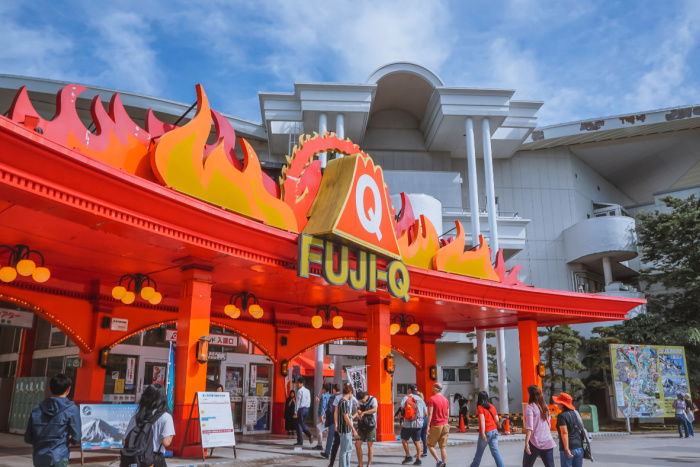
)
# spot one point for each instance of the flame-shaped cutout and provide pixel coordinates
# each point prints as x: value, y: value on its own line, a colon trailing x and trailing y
x: 117, y: 140
x: 419, y: 244
x: 177, y: 160
x: 406, y: 218
x: 474, y: 263
x: 301, y: 176
x: 507, y: 277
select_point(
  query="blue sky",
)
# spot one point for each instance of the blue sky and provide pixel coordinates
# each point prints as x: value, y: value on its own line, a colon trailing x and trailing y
x: 583, y: 58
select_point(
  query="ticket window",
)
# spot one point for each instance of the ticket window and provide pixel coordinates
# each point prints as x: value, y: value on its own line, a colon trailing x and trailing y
x: 119, y: 383
x: 233, y: 381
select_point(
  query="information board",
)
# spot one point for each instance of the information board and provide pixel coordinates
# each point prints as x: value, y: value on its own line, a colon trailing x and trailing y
x: 647, y: 379
x: 215, y: 420
x: 104, y: 425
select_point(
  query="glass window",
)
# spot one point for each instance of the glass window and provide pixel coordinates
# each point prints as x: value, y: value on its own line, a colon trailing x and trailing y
x: 9, y: 339
x: 259, y: 380
x: 39, y: 367
x: 43, y: 334
x: 448, y: 374
x: 7, y: 369
x: 58, y: 339
x: 156, y: 337
x: 116, y: 374
x: 54, y: 365
x: 133, y: 340
x: 402, y: 388
x: 464, y: 374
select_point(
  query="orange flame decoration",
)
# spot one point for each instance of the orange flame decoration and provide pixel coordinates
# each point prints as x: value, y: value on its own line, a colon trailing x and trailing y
x: 419, y: 244
x: 475, y: 263
x: 117, y: 140
x: 301, y: 176
x: 177, y: 160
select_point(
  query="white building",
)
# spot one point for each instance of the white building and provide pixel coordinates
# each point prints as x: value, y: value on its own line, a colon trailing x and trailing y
x: 564, y: 194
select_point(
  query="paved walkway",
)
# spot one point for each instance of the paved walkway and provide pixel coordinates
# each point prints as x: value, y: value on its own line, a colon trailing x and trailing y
x: 256, y: 450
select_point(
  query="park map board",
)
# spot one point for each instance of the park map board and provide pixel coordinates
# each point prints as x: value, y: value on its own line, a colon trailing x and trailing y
x: 647, y: 379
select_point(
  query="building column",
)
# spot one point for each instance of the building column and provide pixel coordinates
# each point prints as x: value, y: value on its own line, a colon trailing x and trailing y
x: 322, y: 128
x: 607, y: 270
x: 472, y: 180
x: 26, y: 350
x: 279, y: 390
x: 429, y: 359
x: 190, y: 376
x: 318, y: 380
x: 378, y: 380
x: 482, y: 360
x: 337, y: 371
x: 90, y: 377
x: 529, y: 354
x: 340, y: 126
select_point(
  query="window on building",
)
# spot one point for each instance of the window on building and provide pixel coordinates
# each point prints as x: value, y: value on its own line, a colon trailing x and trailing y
x: 57, y: 338
x: 449, y: 375
x: 10, y: 339
x: 7, y: 369
x: 402, y: 388
x: 133, y: 340
x: 156, y: 337
x: 43, y: 334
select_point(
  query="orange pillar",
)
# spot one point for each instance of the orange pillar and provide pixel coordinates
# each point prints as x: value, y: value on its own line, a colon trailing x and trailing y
x: 26, y: 350
x: 529, y: 354
x: 427, y: 352
x: 378, y: 380
x: 90, y: 377
x: 279, y: 390
x: 190, y: 375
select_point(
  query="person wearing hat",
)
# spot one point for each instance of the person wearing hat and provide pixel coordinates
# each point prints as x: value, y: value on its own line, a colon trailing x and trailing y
x: 570, y: 436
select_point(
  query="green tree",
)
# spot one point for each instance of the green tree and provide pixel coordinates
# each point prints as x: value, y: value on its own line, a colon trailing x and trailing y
x: 491, y: 363
x: 670, y: 244
x: 596, y: 359
x: 561, y: 356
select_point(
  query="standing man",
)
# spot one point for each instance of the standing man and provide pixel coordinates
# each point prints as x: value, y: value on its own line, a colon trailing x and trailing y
x: 414, y: 411
x: 344, y: 427
x: 353, y: 409
x: 322, y: 406
x: 302, y: 408
x: 366, y: 426
x: 53, y: 425
x: 329, y: 419
x: 438, y: 426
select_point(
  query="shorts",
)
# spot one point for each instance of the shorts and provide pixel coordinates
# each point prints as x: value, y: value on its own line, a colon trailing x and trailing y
x: 438, y: 435
x: 412, y: 434
x: 367, y: 435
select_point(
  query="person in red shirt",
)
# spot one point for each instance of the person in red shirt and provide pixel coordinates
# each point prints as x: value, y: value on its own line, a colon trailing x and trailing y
x: 488, y: 430
x: 438, y: 427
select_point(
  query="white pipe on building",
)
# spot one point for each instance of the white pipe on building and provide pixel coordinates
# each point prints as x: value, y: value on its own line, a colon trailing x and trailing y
x: 337, y: 371
x: 472, y: 179
x: 339, y: 130
x: 482, y: 362
x: 322, y: 128
x: 318, y: 380
x: 493, y: 230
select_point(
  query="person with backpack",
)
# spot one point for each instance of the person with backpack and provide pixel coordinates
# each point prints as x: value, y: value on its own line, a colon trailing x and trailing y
x: 571, y: 432
x: 366, y: 426
x: 414, y: 411
x: 53, y: 425
x: 344, y: 426
x: 681, y: 417
x: 354, y: 404
x: 322, y: 406
x: 488, y: 430
x: 149, y: 432
x: 538, y: 437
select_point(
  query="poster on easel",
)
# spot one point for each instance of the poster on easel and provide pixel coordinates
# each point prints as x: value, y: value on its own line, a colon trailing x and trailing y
x: 215, y: 420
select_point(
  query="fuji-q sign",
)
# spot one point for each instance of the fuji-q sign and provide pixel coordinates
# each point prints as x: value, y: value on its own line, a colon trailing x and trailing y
x: 352, y: 215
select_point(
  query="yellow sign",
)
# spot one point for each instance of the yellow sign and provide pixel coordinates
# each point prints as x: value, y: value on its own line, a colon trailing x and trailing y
x: 334, y: 260
x: 119, y: 386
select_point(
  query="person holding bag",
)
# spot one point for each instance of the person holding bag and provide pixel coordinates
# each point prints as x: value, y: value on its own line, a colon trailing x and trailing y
x: 538, y: 438
x: 366, y: 426
x: 574, y: 442
x: 488, y: 430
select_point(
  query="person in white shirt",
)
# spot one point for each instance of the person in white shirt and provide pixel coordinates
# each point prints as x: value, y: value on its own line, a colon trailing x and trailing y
x: 302, y: 408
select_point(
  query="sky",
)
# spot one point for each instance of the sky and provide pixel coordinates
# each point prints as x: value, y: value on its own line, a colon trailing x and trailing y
x: 584, y: 58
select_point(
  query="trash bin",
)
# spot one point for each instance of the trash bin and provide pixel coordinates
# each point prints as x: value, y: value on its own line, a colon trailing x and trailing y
x: 589, y: 415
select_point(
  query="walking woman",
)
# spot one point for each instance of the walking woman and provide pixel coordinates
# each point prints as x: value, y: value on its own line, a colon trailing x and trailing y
x: 690, y: 410
x: 488, y: 430
x: 152, y: 415
x: 290, y: 423
x: 538, y: 437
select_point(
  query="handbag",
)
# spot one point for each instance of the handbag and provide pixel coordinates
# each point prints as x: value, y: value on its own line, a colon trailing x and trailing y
x: 585, y: 438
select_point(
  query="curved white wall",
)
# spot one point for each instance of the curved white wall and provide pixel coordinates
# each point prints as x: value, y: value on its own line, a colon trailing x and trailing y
x: 424, y: 205
x: 613, y: 236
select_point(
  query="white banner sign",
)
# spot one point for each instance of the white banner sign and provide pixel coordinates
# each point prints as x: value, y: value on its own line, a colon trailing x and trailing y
x: 215, y: 420
x: 130, y: 370
x: 216, y: 339
x: 358, y: 377
x: 16, y: 318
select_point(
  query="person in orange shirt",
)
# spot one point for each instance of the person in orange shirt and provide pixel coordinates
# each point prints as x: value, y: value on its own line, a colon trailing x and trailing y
x: 488, y: 430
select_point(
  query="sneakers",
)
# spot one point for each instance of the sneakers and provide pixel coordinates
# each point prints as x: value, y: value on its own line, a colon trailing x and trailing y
x: 418, y: 462
x: 425, y: 454
x: 318, y: 447
x: 440, y: 464
x: 407, y: 460
x: 324, y: 455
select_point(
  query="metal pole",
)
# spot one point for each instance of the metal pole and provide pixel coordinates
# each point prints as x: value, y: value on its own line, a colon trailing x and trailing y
x: 482, y: 361
x: 322, y: 128
x: 472, y: 179
x: 318, y: 380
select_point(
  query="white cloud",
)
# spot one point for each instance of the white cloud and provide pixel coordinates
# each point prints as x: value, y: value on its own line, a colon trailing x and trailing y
x: 123, y: 46
x: 665, y: 81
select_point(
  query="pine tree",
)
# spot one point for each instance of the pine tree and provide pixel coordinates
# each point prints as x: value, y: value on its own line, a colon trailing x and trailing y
x: 561, y: 355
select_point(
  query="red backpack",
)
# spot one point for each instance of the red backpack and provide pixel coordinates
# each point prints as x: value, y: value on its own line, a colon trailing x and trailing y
x: 410, y: 410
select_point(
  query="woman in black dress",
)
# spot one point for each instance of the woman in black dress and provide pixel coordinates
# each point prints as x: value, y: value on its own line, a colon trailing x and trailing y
x: 290, y: 423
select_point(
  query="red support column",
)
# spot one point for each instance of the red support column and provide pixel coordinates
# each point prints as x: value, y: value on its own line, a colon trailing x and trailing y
x: 90, y: 377
x: 279, y: 389
x: 378, y: 380
x: 190, y: 375
x: 529, y: 354
x: 429, y: 359
x: 26, y: 350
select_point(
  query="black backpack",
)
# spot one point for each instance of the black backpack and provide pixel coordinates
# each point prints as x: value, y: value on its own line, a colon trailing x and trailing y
x: 138, y: 445
x: 368, y: 421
